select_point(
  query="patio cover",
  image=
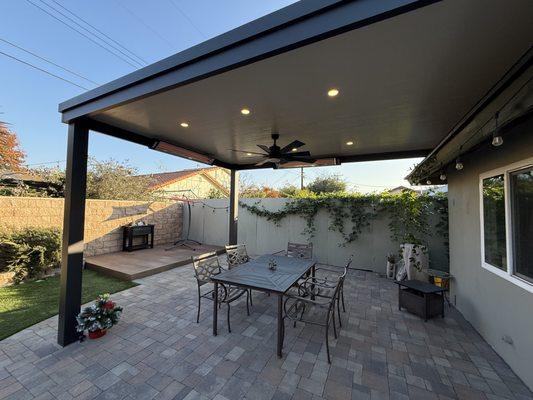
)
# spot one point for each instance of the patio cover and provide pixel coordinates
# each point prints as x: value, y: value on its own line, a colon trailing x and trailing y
x: 407, y: 71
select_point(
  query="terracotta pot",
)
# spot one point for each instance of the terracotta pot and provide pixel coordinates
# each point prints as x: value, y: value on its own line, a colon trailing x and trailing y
x: 97, y: 334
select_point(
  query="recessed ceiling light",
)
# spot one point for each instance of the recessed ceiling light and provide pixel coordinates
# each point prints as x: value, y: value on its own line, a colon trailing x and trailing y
x: 248, y: 154
x: 245, y: 111
x: 184, y: 125
x: 294, y: 149
x: 349, y: 143
x: 333, y: 92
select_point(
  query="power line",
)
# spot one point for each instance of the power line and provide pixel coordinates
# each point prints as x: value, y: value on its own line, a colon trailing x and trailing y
x: 187, y: 18
x: 43, y: 70
x: 46, y: 163
x: 48, y: 61
x: 143, y: 61
x: 171, y: 45
x: 108, y: 45
x: 81, y: 33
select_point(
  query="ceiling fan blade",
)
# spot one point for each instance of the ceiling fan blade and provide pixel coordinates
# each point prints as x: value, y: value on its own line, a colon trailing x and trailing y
x: 292, y: 145
x: 264, y: 148
x: 248, y: 152
x: 298, y: 154
x: 267, y: 160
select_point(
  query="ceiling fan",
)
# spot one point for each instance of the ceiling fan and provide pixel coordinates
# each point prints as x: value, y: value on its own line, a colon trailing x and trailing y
x: 280, y: 155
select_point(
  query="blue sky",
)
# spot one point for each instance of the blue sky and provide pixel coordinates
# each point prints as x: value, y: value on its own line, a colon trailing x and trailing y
x: 152, y: 30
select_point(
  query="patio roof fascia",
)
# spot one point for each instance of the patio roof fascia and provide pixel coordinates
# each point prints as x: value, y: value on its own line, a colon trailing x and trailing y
x: 289, y: 28
x: 515, y: 79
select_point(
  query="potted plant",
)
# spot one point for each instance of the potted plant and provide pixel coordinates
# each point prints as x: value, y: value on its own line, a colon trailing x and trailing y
x: 98, y: 317
x: 391, y: 265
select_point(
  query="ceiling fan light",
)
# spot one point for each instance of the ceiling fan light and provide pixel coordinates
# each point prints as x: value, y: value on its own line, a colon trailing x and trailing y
x: 349, y: 143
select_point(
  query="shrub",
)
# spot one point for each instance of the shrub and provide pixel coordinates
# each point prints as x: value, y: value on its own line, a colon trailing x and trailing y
x: 30, y: 252
x: 8, y: 252
x: 49, y: 238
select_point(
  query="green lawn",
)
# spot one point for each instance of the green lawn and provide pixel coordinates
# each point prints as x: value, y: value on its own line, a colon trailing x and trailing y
x: 28, y: 303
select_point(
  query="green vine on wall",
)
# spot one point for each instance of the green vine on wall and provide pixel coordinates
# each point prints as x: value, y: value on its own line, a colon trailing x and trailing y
x: 409, y: 213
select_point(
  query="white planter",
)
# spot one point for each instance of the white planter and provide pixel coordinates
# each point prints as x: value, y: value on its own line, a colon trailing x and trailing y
x: 416, y: 261
x: 391, y: 270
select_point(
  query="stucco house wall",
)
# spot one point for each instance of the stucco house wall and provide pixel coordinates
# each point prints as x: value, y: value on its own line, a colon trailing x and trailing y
x: 197, y: 186
x: 501, y: 311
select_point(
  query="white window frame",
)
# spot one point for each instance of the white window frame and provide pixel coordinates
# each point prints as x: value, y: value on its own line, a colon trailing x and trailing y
x: 508, y: 274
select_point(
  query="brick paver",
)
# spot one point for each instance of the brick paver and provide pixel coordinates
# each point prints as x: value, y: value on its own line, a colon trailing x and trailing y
x: 159, y: 352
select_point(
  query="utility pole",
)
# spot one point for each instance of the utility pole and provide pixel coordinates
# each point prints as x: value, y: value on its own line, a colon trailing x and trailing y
x: 301, y: 178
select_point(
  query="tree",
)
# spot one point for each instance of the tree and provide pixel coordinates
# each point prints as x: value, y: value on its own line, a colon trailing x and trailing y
x: 11, y: 155
x: 288, y: 191
x: 113, y: 180
x: 256, y: 192
x: 327, y: 184
x: 216, y: 194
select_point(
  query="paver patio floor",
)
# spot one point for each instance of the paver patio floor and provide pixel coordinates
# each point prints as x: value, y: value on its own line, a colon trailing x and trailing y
x: 158, y: 351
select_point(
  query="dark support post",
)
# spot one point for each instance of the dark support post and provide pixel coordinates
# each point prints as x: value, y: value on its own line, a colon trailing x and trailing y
x: 280, y: 326
x: 73, y: 226
x: 233, y: 206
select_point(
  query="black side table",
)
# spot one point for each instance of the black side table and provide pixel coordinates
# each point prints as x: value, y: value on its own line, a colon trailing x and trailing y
x: 421, y: 298
x: 144, y: 231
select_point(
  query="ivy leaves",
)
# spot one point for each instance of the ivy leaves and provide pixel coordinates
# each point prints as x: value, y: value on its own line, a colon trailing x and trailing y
x: 408, y: 211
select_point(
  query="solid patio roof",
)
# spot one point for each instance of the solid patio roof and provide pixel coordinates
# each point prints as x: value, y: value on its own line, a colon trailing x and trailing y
x: 407, y: 72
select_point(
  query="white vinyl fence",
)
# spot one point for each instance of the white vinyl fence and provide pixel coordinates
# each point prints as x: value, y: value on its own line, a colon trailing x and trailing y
x: 210, y: 225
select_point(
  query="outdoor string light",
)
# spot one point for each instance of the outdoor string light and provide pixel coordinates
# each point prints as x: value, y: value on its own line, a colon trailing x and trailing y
x: 458, y: 164
x: 497, y: 139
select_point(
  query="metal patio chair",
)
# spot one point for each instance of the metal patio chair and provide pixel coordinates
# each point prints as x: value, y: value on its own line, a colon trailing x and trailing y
x: 323, y: 307
x: 236, y: 254
x: 325, y: 287
x: 206, y: 266
x: 298, y: 250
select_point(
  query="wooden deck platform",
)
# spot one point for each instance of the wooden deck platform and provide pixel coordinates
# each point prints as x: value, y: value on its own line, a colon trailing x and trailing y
x: 142, y: 263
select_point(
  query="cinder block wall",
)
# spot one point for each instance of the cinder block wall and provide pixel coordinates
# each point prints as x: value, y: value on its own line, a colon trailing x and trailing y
x: 103, y: 219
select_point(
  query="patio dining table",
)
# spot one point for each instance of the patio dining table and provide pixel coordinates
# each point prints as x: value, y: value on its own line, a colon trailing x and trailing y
x: 256, y: 274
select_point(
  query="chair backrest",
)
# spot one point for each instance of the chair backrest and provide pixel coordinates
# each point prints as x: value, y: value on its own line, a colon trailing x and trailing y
x: 236, y: 255
x: 205, y: 266
x: 299, y: 250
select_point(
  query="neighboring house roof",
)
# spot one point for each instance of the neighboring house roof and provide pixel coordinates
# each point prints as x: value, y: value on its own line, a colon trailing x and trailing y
x: 19, y: 176
x: 10, y: 178
x: 166, y: 178
x: 399, y: 189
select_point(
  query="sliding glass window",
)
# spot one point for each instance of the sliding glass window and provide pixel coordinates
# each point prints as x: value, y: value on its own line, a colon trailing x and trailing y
x: 521, y: 188
x: 494, y: 221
